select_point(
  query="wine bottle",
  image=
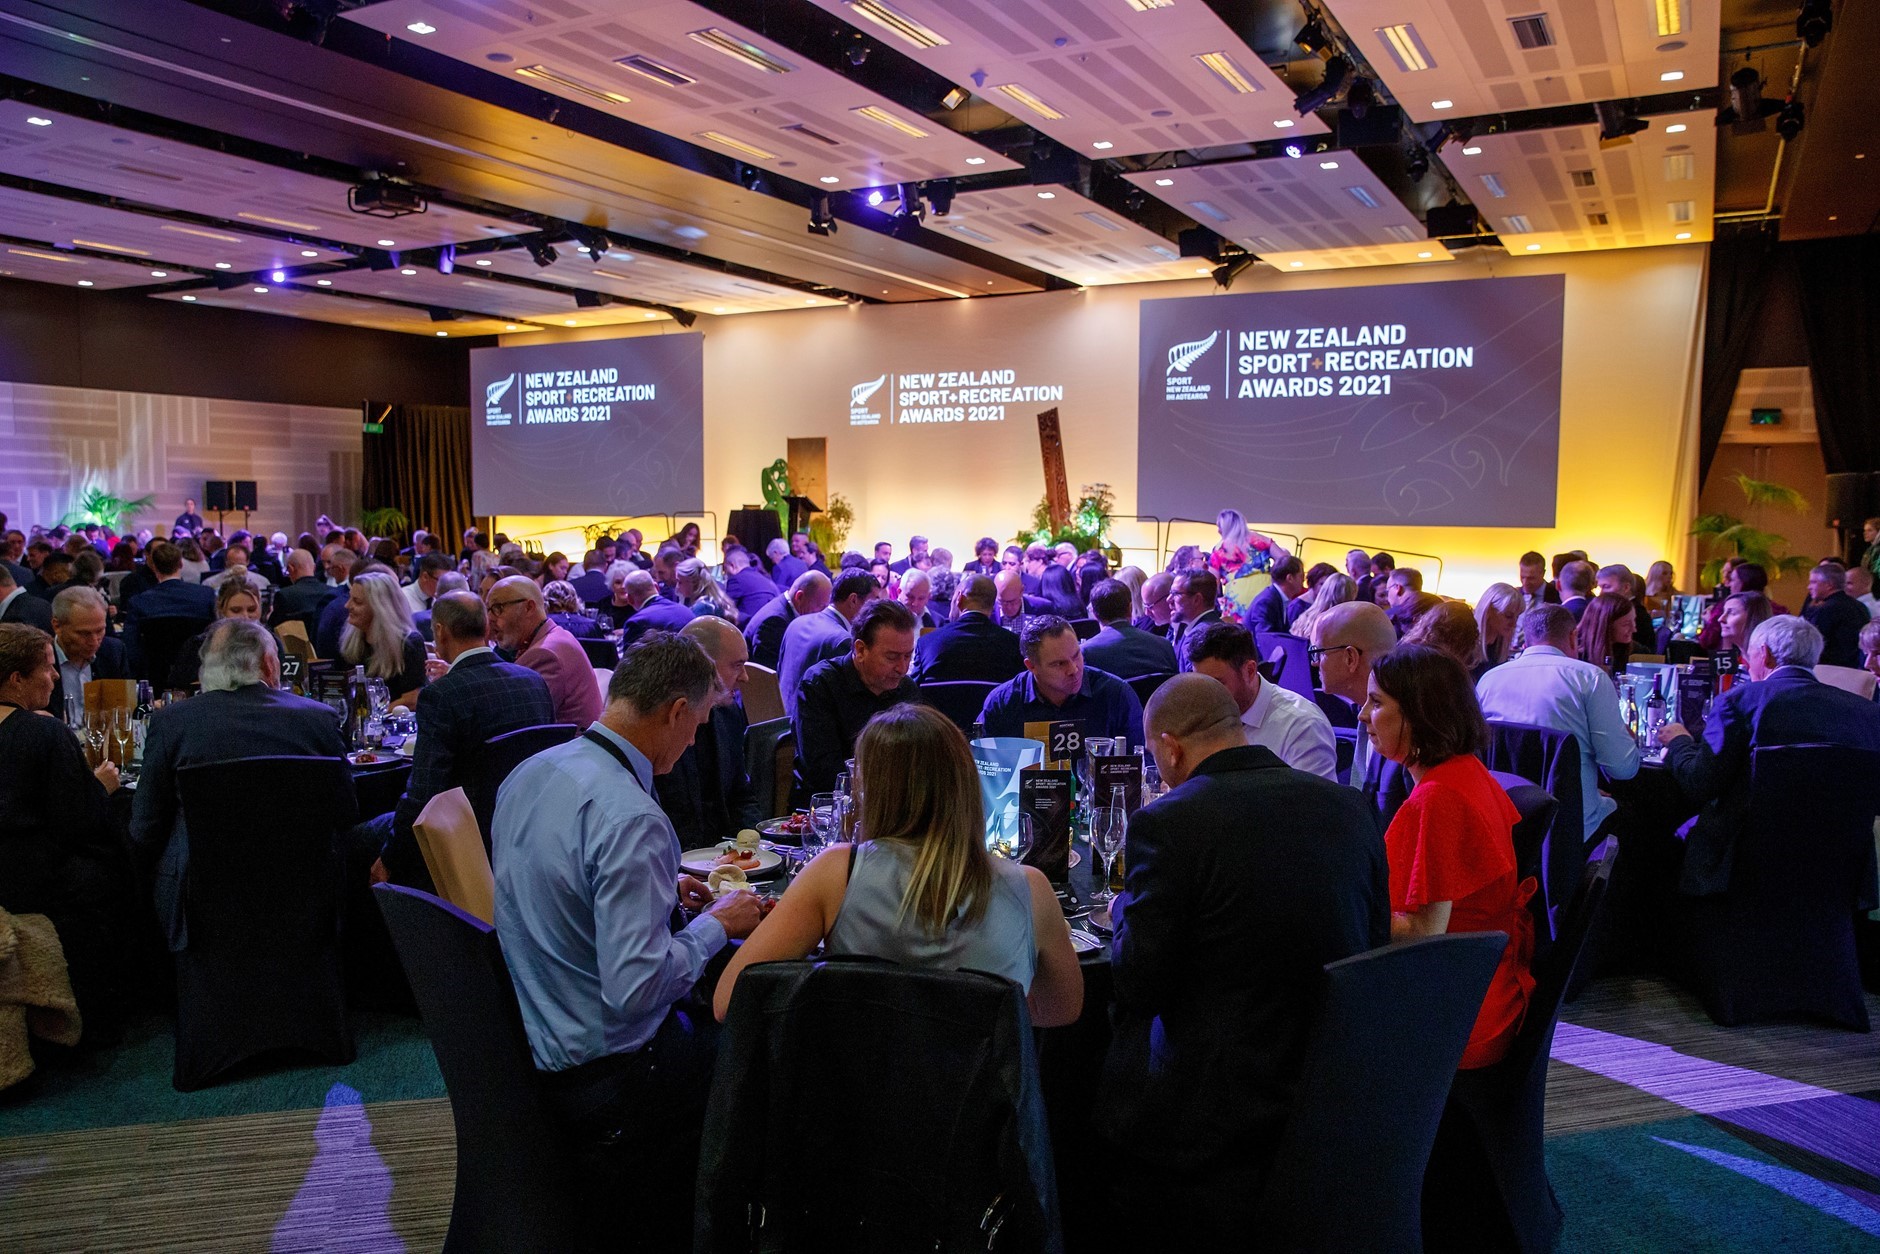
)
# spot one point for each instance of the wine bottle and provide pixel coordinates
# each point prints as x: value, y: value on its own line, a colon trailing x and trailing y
x: 359, y: 708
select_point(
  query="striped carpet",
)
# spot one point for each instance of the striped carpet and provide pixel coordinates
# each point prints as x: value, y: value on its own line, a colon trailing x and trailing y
x: 1665, y: 1132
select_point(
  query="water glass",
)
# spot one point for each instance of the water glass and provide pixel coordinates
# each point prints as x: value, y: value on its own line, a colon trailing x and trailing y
x: 824, y: 823
x: 1107, y: 827
x: 379, y: 695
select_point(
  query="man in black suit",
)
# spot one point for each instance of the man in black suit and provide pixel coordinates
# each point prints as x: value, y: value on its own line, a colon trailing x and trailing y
x: 173, y: 599
x: 972, y: 646
x: 478, y: 697
x: 1346, y: 640
x: 17, y: 605
x: 1124, y: 651
x: 591, y: 584
x: 651, y: 610
x: 1836, y: 615
x: 80, y: 647
x: 1268, y: 611
x: 840, y: 695
x: 763, y: 634
x: 916, y: 548
x: 707, y: 794
x: 1248, y: 857
x: 1576, y: 587
x: 240, y: 713
x: 54, y: 573
x: 1785, y: 705
x: 750, y: 589
x: 305, y: 595
x: 1196, y: 597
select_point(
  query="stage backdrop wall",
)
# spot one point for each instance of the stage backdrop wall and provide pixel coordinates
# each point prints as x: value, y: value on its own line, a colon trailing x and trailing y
x: 1627, y: 454
x: 305, y: 459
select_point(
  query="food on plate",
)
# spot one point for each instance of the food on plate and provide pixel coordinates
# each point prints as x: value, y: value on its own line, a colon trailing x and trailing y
x: 747, y: 841
x: 795, y: 825
x: 727, y: 879
x: 738, y: 858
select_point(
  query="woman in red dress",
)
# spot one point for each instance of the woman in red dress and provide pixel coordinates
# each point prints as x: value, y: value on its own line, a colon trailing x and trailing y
x: 1451, y: 846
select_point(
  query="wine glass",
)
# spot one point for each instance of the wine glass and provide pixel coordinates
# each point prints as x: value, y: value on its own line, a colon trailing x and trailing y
x: 379, y: 695
x: 94, y: 741
x: 1022, y: 836
x: 123, y: 738
x: 1107, y: 826
x: 824, y: 823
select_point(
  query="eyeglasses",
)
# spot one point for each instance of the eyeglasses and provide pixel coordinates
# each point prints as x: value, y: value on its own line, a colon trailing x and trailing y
x: 493, y: 606
x: 1316, y: 654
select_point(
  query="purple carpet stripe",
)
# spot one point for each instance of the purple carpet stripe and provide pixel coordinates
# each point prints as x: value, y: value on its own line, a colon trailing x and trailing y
x: 1846, y: 1129
x: 1707, y: 1088
x: 342, y: 1203
x: 1805, y: 1189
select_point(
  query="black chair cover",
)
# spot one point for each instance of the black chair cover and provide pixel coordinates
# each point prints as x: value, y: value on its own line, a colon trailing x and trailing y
x: 1487, y: 1186
x: 1297, y: 673
x: 1144, y: 686
x: 1537, y: 808
x: 865, y: 1107
x: 1551, y: 760
x: 262, y: 969
x: 503, y: 754
x: 1337, y: 710
x: 958, y: 699
x: 159, y: 640
x: 512, y: 1191
x: 1780, y: 943
x: 602, y: 653
x: 1085, y: 627
x: 1349, y: 1171
x: 1678, y: 652
x: 761, y: 744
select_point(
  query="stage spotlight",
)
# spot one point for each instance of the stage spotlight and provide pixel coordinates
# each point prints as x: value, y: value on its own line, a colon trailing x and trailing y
x: 911, y: 206
x: 1789, y: 120
x: 749, y: 177
x: 590, y: 241
x: 591, y: 300
x: 447, y: 259
x: 684, y: 317
x: 1295, y: 151
x: 1135, y: 199
x: 822, y: 217
x: 1337, y: 70
x: 543, y: 252
x: 1361, y: 97
x: 874, y: 197
x: 1813, y: 23
x: 1417, y: 165
x: 440, y: 314
x: 280, y: 276
x: 858, y: 52
x: 1617, y: 123
x: 1231, y: 269
x: 953, y: 99
x: 939, y: 196
x: 1312, y: 37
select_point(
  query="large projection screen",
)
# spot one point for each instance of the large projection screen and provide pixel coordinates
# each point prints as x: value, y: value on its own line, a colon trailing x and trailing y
x: 604, y: 428
x: 1425, y: 404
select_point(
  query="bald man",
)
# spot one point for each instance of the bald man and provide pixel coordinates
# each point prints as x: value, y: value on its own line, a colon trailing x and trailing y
x: 763, y: 634
x: 972, y: 646
x: 518, y: 623
x: 1244, y: 856
x: 1346, y: 640
x: 651, y: 611
x: 707, y: 795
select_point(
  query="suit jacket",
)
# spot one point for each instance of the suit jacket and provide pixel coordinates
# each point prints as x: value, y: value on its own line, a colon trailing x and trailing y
x: 1127, y: 652
x: 480, y: 697
x: 834, y: 708
x: 1790, y: 707
x: 1282, y: 869
x: 1178, y: 632
x: 256, y: 721
x: 1575, y: 606
x: 810, y: 639
x: 171, y: 599
x: 750, y: 590
x: 972, y: 646
x: 1268, y: 611
x: 1840, y: 619
x: 786, y: 571
x: 112, y: 661
x: 590, y: 586
x: 707, y: 795
x: 658, y: 614
x: 560, y: 660
x: 29, y: 609
x: 763, y: 631
x: 331, y: 622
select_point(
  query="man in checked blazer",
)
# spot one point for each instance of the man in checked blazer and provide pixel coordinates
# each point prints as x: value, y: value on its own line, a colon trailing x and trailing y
x: 480, y: 696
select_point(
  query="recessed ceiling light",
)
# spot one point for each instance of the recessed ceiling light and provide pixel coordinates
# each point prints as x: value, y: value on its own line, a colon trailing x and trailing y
x: 897, y: 23
x: 1442, y: 104
x: 406, y: 270
x: 975, y: 161
x: 737, y: 49
x: 190, y: 298
x: 223, y: 265
x: 84, y: 282
x: 1283, y: 123
x: 509, y: 326
x: 1204, y: 270
x: 39, y: 121
x: 718, y: 308
x: 261, y: 291
x: 387, y: 243
x: 1425, y: 256
x: 1684, y: 235
x: 1472, y: 151
x: 567, y: 322
x: 1228, y: 70
x: 1670, y: 17
x: 308, y: 252
x: 1298, y: 265
x: 1671, y: 76
x: 649, y: 315
x: 323, y: 283
x: 159, y: 274
x: 441, y: 334
x: 1860, y: 156
x: 812, y: 301
x: 877, y: 114
x: 1406, y: 47
x: 1014, y: 92
x: 737, y: 145
x: 1103, y: 145
x: 1047, y: 195
x: 1533, y: 248
x: 1165, y: 182
x: 1676, y: 128
x: 1834, y: 217
x: 568, y: 82
x: 830, y: 178
x: 1328, y: 165
x: 484, y: 261
x: 421, y: 28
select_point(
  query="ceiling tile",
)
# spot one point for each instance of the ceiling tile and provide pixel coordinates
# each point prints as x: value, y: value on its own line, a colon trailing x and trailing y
x: 145, y: 238
x: 319, y: 307
x: 1065, y: 235
x: 640, y: 276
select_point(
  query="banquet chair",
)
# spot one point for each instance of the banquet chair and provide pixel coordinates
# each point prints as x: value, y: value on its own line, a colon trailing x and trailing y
x: 512, y: 1190
x: 1850, y: 679
x: 502, y: 754
x: 769, y: 759
x: 1338, y: 711
x: 930, y: 1116
x: 1780, y: 941
x: 1296, y: 674
x: 1382, y: 1050
x: 159, y: 640
x: 763, y: 700
x: 1678, y: 652
x: 603, y: 654
x: 452, y: 846
x: 1144, y: 686
x: 958, y: 699
x: 261, y: 970
x: 1085, y: 628
x: 1537, y: 808
x: 1549, y: 759
x: 1486, y: 1186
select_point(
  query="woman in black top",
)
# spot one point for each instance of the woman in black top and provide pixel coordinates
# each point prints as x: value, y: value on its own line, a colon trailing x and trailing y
x: 380, y: 636
x: 564, y: 610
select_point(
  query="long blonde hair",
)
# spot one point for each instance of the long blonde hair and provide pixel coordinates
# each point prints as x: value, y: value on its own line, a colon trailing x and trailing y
x: 1332, y: 590
x: 382, y: 646
x: 920, y: 787
x: 1132, y: 577
x: 1498, y: 598
x: 694, y: 582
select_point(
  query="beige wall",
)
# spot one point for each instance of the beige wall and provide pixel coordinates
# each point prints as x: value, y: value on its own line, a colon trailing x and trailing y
x: 1627, y: 482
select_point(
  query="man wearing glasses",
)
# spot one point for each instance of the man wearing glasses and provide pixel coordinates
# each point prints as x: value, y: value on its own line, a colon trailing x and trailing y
x: 519, y: 625
x: 1351, y: 637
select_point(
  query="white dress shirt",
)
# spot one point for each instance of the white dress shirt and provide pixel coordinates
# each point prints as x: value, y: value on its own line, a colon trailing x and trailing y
x: 1295, y: 729
x: 414, y: 597
x: 1545, y: 688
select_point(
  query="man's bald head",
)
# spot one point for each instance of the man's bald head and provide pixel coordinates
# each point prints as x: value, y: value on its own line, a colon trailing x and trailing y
x: 725, y: 646
x: 1353, y: 635
x: 516, y: 610
x: 640, y: 587
x: 1009, y: 587
x: 1190, y: 719
x: 977, y: 593
x: 811, y: 592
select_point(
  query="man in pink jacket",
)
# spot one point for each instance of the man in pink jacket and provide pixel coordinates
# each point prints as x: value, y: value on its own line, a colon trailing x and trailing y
x: 519, y: 625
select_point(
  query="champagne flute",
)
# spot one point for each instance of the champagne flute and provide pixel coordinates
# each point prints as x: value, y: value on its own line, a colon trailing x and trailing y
x: 123, y: 738
x: 1107, y: 826
x: 94, y: 741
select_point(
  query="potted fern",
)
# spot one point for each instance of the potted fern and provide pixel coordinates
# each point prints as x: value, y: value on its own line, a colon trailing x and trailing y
x: 1729, y: 535
x: 106, y: 509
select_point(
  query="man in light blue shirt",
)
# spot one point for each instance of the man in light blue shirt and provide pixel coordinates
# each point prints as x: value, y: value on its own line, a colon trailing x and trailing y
x: 587, y: 893
x: 1546, y: 687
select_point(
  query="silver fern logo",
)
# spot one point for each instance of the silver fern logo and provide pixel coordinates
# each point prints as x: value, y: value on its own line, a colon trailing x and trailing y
x: 860, y: 415
x: 494, y: 415
x: 1182, y: 356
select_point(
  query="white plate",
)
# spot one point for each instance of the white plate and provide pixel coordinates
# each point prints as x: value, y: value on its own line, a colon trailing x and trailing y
x: 701, y: 862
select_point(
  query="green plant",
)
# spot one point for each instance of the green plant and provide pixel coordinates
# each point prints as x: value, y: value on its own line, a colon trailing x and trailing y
x: 830, y: 529
x: 1765, y: 548
x: 1088, y: 526
x: 387, y: 521
x: 99, y: 506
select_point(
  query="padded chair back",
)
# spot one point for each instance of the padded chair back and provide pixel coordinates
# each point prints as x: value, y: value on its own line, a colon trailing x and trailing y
x: 1849, y: 678
x: 452, y: 846
x: 1296, y: 675
x: 769, y: 759
x: 293, y: 629
x: 110, y: 694
x: 1145, y: 685
x: 763, y: 700
x: 1338, y: 711
x: 159, y: 640
x: 1678, y: 652
x: 1548, y: 759
x: 930, y: 1113
x: 1537, y: 808
x: 503, y: 754
x: 1382, y: 1053
x: 261, y: 894
x: 1085, y: 627
x: 958, y: 699
x: 1781, y: 941
x: 603, y: 654
x: 512, y: 1189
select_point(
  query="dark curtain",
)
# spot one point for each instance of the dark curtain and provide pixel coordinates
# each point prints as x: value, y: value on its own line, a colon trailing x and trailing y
x: 420, y: 464
x: 1741, y: 268
x: 1840, y: 294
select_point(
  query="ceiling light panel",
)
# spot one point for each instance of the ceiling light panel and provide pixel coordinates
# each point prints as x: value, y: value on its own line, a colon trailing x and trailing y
x: 1515, y: 57
x: 28, y: 260
x: 1632, y: 186
x: 640, y: 276
x: 95, y: 157
x: 686, y: 71
x: 1068, y: 236
x: 29, y: 215
x: 323, y: 307
x: 1141, y: 76
x: 1297, y: 211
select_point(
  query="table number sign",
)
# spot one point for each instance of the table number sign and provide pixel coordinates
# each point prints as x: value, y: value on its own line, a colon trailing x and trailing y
x: 1063, y: 740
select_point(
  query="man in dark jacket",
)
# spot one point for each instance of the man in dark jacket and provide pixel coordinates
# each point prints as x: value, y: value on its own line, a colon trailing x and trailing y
x: 972, y: 646
x: 305, y: 595
x: 1119, y: 648
x: 840, y: 695
x: 1836, y: 615
x: 80, y: 646
x: 1246, y: 856
x: 750, y: 589
x: 707, y: 794
x: 174, y: 599
x: 763, y: 634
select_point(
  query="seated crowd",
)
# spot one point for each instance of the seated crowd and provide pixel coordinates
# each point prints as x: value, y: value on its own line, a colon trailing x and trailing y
x: 1298, y: 830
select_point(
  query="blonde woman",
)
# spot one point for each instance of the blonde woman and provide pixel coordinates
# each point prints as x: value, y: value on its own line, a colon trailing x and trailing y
x: 1661, y: 584
x: 1496, y: 612
x: 922, y: 890
x: 379, y: 636
x: 699, y: 592
x: 1332, y: 590
x: 1132, y: 577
